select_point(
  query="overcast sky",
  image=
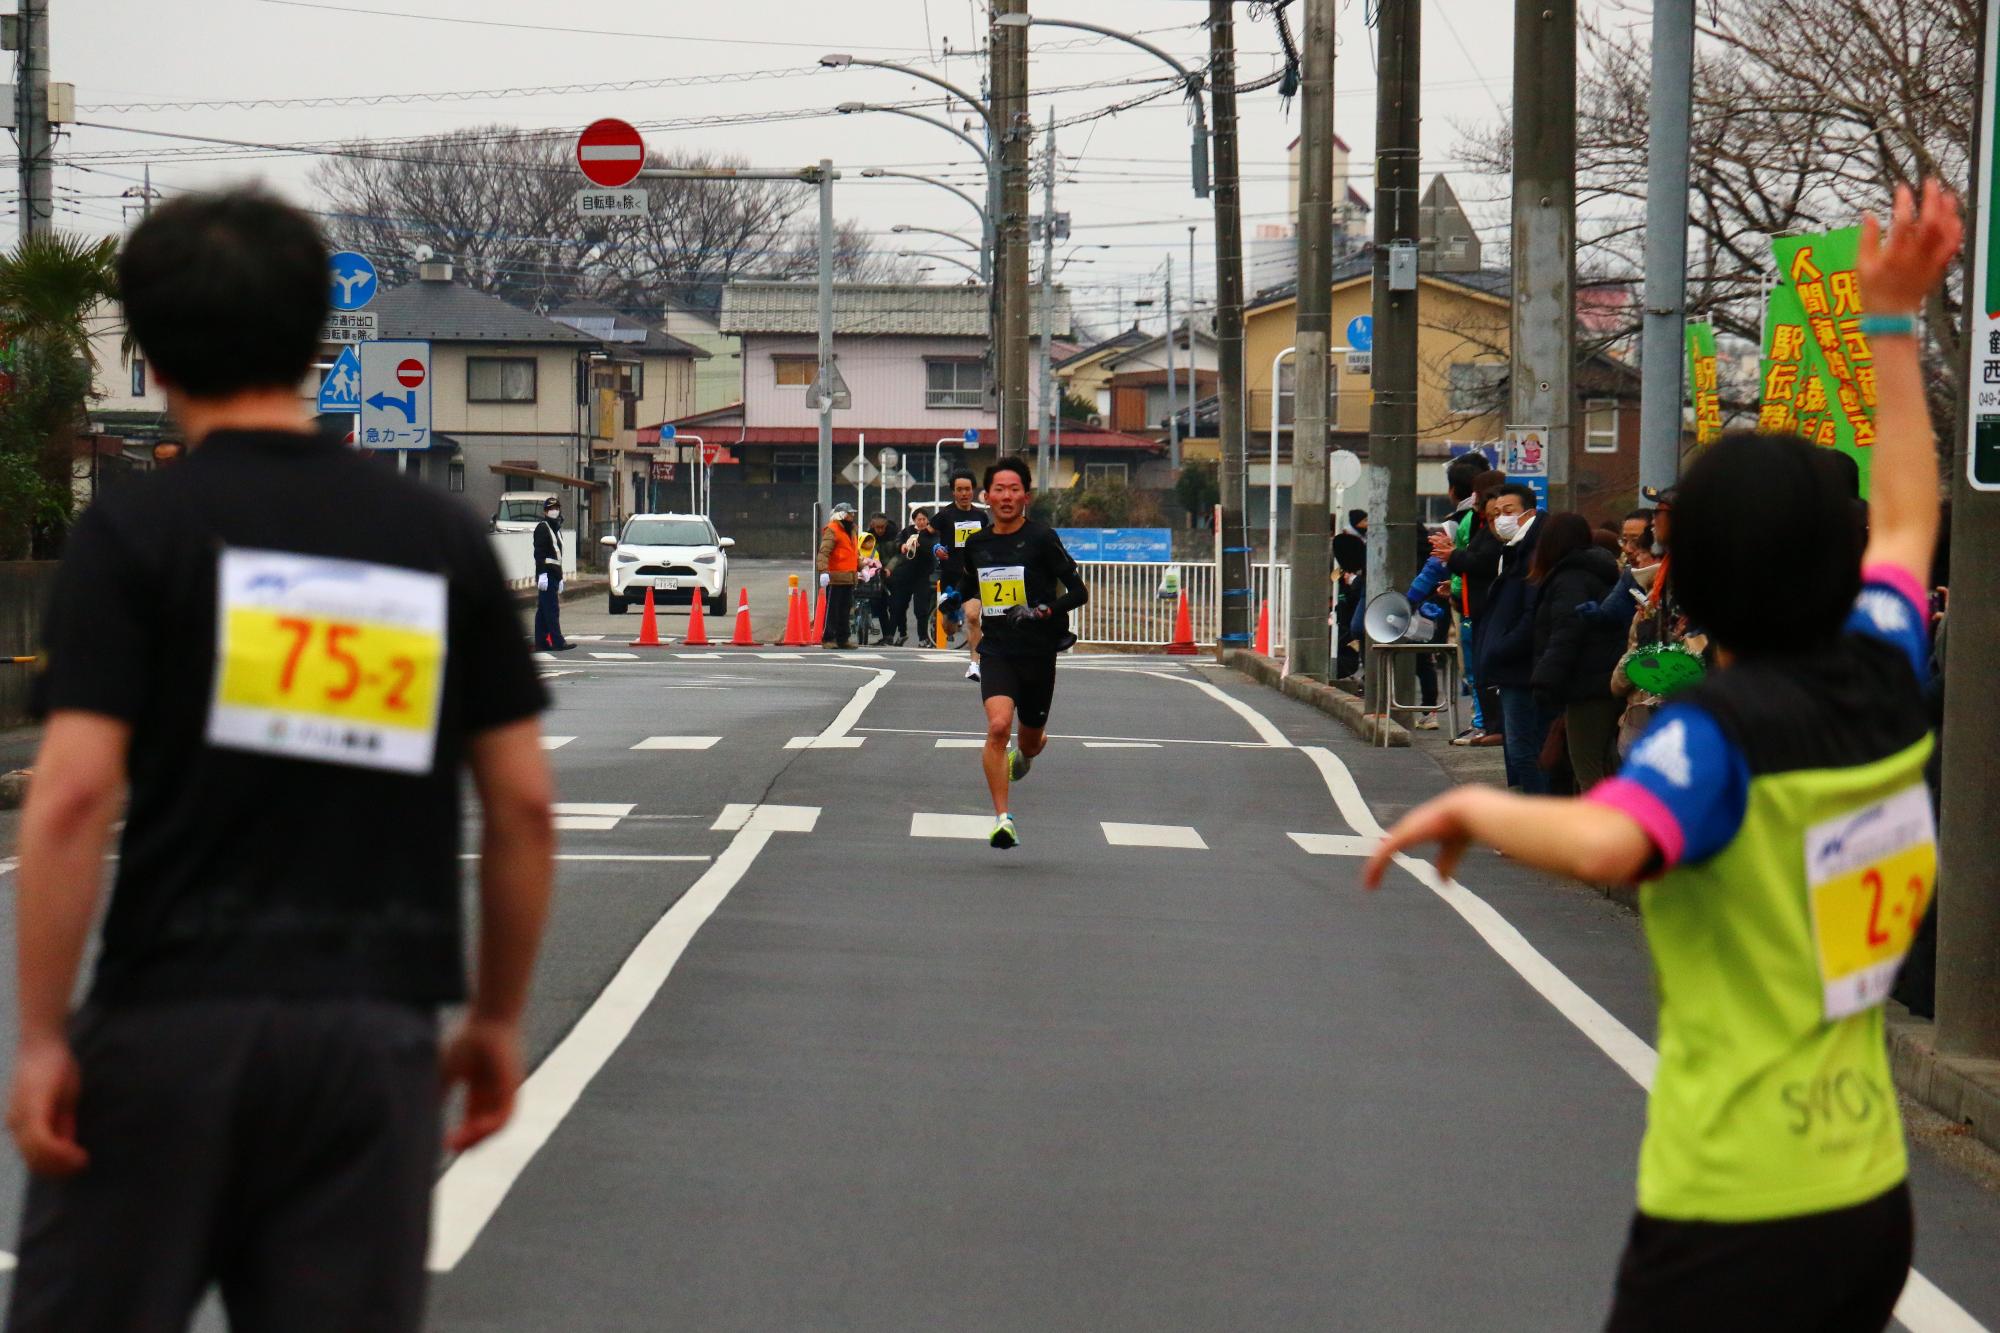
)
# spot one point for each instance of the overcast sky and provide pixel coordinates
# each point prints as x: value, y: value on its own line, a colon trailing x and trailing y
x: 1125, y: 176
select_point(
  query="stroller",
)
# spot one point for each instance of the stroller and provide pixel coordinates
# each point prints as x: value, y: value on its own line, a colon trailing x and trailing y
x: 871, y: 596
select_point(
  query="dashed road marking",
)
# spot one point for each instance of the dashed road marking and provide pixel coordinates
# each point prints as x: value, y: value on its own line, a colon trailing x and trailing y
x: 1121, y: 745
x: 768, y: 818
x: 782, y: 657
x: 1334, y: 844
x: 616, y: 657
x: 556, y: 742
x: 678, y: 743
x: 960, y: 743
x: 1177, y: 836
x: 589, y: 816
x: 975, y: 828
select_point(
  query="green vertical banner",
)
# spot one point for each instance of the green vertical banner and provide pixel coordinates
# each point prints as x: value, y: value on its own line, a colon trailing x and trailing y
x: 1836, y: 394
x: 1702, y: 384
x: 1784, y: 371
x: 1982, y: 454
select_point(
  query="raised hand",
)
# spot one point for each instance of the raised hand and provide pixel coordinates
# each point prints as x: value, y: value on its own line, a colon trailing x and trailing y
x: 1899, y: 271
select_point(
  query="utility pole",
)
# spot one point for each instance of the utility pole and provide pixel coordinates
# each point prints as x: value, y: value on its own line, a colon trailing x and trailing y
x: 1393, y: 540
x: 1010, y: 113
x: 31, y: 117
x: 1661, y: 354
x: 1042, y: 451
x: 1192, y: 377
x: 1543, y: 345
x: 825, y: 381
x: 1173, y: 382
x: 1229, y: 331
x: 1968, y: 920
x: 1307, y: 636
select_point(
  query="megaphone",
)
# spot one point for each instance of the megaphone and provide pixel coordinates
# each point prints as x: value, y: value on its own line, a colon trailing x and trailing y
x: 1390, y: 619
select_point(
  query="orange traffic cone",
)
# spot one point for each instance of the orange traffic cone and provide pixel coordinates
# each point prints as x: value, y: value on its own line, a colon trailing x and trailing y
x: 1183, y: 644
x: 1263, y: 644
x: 697, y: 635
x: 819, y: 620
x: 795, y: 617
x: 649, y: 627
x: 743, y: 639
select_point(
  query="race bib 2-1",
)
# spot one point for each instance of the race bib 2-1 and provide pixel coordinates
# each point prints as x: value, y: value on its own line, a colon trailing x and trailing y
x: 1002, y: 586
x: 339, y: 661
x: 1868, y: 880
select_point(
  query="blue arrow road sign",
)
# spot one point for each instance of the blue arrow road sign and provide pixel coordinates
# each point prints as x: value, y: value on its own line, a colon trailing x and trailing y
x: 340, y: 391
x: 350, y: 280
x: 406, y: 403
x: 1361, y: 333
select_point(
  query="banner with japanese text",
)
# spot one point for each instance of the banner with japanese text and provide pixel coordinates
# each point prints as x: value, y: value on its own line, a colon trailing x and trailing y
x: 1835, y: 391
x: 1702, y: 384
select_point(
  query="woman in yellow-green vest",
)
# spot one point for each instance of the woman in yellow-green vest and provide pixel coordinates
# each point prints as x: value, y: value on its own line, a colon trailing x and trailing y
x: 1777, y: 817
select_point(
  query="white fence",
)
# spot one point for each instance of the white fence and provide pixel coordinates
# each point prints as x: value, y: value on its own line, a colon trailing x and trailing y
x: 1126, y: 608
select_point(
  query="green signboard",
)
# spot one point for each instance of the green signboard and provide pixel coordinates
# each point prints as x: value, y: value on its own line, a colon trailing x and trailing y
x: 1982, y: 453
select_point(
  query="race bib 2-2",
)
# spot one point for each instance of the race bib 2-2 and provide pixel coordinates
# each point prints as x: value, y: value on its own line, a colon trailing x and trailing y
x: 339, y: 661
x: 1868, y: 881
x: 1002, y: 586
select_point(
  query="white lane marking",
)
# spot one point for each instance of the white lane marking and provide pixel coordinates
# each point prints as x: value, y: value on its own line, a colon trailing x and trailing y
x: 698, y: 657
x: 678, y: 743
x: 1178, y: 836
x: 471, y: 1190
x: 556, y: 675
x: 1334, y: 844
x: 589, y: 816
x: 781, y: 657
x: 835, y: 736
x: 769, y: 818
x: 1267, y: 732
x: 1121, y: 745
x: 556, y: 742
x: 1067, y: 736
x: 613, y: 809
x: 8, y: 865
x: 976, y: 828
x: 960, y: 743
x: 616, y: 657
x: 866, y: 657
x: 1923, y: 1308
x: 608, y: 856
x: 588, y: 638
x: 584, y: 823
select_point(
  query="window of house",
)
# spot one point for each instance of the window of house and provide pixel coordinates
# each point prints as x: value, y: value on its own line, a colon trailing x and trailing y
x: 500, y: 379
x: 1105, y: 472
x: 794, y: 372
x: 1475, y: 387
x: 794, y: 465
x: 1600, y: 425
x: 1288, y: 390
x: 454, y: 476
x: 138, y: 377
x: 955, y: 383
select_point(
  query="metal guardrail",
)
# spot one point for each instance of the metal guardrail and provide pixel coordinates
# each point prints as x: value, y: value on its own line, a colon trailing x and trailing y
x: 1126, y: 609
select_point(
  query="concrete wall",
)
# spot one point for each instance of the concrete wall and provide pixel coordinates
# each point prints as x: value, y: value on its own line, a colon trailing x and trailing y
x: 24, y: 595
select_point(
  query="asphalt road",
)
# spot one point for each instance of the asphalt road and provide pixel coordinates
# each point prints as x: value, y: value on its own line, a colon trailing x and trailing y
x: 808, y: 1058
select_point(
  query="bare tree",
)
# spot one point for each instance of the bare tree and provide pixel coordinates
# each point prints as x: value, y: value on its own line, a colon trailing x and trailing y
x: 1806, y: 112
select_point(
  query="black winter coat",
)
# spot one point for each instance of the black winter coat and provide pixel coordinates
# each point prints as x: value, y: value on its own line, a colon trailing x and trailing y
x: 1573, y: 660
x: 1475, y: 563
x: 1505, y: 626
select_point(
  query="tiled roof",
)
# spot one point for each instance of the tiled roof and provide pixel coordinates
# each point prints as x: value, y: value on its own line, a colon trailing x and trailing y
x: 1123, y: 338
x: 618, y: 329
x: 873, y: 308
x: 448, y: 312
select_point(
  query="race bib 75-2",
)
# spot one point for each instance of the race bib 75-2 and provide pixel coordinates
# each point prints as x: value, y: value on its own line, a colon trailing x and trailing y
x: 1868, y: 880
x: 338, y: 661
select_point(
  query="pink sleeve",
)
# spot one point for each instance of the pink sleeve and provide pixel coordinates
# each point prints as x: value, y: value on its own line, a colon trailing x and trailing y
x: 1902, y: 580
x: 1648, y: 811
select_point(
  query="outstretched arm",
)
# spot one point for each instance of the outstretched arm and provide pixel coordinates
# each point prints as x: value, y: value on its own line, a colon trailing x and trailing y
x: 1898, y: 272
x: 1581, y: 839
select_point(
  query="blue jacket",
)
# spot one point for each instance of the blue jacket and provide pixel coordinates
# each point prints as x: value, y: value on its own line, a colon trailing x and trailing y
x: 1507, y: 622
x: 1615, y: 611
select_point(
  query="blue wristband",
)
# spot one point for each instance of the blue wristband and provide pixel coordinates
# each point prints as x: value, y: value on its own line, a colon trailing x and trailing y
x: 1889, y: 326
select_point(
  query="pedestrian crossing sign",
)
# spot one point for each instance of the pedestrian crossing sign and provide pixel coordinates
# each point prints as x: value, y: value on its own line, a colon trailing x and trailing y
x: 340, y: 391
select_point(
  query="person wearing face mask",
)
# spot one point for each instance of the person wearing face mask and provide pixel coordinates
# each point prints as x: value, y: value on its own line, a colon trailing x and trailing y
x: 839, y: 566
x: 1506, y: 649
x: 549, y: 580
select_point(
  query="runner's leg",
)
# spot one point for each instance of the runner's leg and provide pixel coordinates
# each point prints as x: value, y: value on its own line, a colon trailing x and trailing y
x: 993, y: 759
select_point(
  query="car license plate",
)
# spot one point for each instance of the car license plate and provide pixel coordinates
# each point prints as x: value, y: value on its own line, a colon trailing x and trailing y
x: 667, y: 584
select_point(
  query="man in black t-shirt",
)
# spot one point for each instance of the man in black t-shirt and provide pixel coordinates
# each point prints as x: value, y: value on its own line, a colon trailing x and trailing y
x: 278, y: 657
x: 1018, y: 580
x: 955, y: 524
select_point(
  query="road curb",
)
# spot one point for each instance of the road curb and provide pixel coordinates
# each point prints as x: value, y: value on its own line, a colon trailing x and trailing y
x: 1334, y: 702
x: 574, y: 590
x: 1963, y: 1091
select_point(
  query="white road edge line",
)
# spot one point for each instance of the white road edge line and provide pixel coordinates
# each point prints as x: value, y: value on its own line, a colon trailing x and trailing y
x: 605, y: 856
x: 1266, y: 731
x: 1924, y: 1307
x: 472, y: 1188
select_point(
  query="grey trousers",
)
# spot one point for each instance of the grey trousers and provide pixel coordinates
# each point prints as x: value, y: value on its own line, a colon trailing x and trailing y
x: 1593, y: 740
x: 280, y: 1149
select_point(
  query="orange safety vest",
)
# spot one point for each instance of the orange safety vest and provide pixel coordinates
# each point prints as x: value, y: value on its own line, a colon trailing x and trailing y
x: 844, y: 558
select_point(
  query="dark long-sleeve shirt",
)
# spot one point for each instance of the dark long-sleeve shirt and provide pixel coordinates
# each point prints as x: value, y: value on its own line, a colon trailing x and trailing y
x: 1026, y: 567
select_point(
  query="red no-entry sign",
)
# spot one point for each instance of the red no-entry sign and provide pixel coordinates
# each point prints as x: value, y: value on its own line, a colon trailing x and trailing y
x: 610, y: 152
x: 410, y: 373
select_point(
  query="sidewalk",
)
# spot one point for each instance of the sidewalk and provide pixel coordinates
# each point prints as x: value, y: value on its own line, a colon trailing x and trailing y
x: 1964, y: 1091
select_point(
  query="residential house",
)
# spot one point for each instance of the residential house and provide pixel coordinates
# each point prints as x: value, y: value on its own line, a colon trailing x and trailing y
x: 1462, y: 354
x: 913, y: 360
x: 718, y: 381
x: 127, y: 412
x: 1138, y: 392
x: 1084, y: 375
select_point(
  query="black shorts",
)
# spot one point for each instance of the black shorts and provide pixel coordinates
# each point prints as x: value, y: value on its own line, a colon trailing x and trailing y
x: 1029, y: 681
x: 1833, y: 1272
x: 281, y: 1149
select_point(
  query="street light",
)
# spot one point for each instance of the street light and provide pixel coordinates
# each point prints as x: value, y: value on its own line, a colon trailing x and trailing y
x: 949, y: 259
x: 1191, y: 81
x: 985, y: 218
x: 902, y: 228
x: 841, y: 60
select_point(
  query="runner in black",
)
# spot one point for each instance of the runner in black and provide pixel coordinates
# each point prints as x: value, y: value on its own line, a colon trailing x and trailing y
x: 1021, y: 584
x: 276, y: 660
x: 955, y: 524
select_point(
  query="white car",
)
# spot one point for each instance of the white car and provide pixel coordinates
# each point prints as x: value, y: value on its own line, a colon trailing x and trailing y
x: 678, y: 556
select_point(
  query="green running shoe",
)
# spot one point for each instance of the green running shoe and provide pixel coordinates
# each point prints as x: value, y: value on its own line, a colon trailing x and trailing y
x: 1004, y: 835
x: 1018, y: 765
